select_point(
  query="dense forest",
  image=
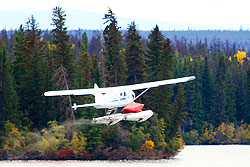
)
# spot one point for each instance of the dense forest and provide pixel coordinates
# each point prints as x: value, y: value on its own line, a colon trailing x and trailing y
x: 213, y: 109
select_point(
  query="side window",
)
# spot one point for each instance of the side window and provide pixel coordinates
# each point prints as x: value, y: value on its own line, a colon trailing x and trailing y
x: 120, y: 94
x: 124, y: 93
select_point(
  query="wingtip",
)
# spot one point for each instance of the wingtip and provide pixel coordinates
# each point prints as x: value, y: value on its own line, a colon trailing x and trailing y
x: 193, y: 77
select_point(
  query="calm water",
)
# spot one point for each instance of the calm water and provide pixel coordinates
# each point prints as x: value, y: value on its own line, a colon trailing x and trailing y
x: 191, y: 156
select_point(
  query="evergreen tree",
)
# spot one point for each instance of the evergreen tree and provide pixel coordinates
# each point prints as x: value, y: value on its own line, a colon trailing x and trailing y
x: 61, y: 41
x: 218, y: 111
x: 239, y: 79
x: 61, y: 58
x: 28, y: 70
x: 246, y: 114
x: 189, y: 93
x: 153, y: 53
x: 8, y: 96
x: 35, y: 73
x: 179, y: 113
x: 85, y: 69
x: 20, y: 64
x: 152, y: 63
x: 84, y: 65
x: 196, y: 110
x: 95, y: 72
x: 163, y: 95
x: 115, y: 65
x: 230, y: 94
x: 134, y: 56
x: 207, y: 90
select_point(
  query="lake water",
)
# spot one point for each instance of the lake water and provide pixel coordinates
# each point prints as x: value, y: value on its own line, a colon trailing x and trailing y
x: 190, y: 156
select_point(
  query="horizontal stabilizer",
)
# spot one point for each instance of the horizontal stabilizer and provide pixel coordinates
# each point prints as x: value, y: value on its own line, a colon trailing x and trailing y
x: 84, y: 105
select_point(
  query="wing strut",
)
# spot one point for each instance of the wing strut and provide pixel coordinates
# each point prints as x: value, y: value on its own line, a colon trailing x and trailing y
x: 141, y: 93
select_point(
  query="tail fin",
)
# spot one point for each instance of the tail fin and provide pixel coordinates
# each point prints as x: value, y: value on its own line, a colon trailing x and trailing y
x: 97, y: 93
x: 96, y: 86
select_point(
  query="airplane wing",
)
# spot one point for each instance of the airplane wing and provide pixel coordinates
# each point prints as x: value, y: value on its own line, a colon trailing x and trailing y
x: 70, y: 92
x: 92, y: 91
x: 158, y: 83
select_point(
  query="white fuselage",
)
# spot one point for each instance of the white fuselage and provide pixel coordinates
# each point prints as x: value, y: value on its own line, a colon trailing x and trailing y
x: 113, y: 99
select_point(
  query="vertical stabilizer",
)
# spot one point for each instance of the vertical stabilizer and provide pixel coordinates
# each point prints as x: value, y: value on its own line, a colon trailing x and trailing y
x: 96, y: 86
x: 97, y: 93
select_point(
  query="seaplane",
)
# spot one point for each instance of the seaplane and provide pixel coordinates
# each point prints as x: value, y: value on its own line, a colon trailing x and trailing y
x: 113, y: 98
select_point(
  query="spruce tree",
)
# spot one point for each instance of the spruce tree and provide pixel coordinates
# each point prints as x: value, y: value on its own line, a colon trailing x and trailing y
x: 207, y: 90
x: 241, y: 90
x: 61, y: 42
x: 115, y: 65
x: 85, y: 69
x: 35, y: 73
x: 163, y: 95
x: 152, y: 62
x: 179, y: 113
x: 197, y: 109
x: 20, y: 64
x: 246, y: 114
x: 153, y: 53
x: 8, y: 96
x: 230, y: 94
x: 28, y: 71
x: 188, y: 69
x: 218, y: 111
x: 134, y: 56
x: 95, y: 71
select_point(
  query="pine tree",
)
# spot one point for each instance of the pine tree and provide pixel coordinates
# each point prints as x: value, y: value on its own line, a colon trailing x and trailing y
x: 163, y: 95
x: 153, y: 53
x: 84, y: 65
x: 189, y: 87
x: 239, y: 79
x: 28, y: 71
x: 115, y: 65
x: 230, y: 93
x: 246, y: 114
x: 207, y: 90
x: 8, y: 96
x: 218, y: 111
x: 85, y: 69
x: 178, y: 114
x: 95, y: 72
x: 195, y: 105
x: 134, y: 56
x: 35, y: 73
x: 20, y: 64
x: 61, y: 41
x: 152, y: 62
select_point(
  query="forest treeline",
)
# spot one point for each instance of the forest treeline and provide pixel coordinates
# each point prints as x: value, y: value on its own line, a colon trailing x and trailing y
x: 212, y: 109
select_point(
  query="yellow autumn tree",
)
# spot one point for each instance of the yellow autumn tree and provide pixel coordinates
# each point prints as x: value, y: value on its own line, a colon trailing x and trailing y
x: 52, y: 139
x: 146, y: 147
x: 149, y: 144
x: 13, y: 142
x: 78, y: 143
x: 240, y: 56
x: 208, y: 135
x: 225, y: 133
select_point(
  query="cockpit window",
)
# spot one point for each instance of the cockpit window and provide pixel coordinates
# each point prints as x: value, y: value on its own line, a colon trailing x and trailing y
x: 124, y: 93
x: 120, y: 94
